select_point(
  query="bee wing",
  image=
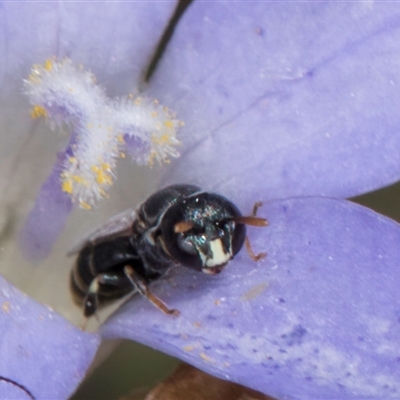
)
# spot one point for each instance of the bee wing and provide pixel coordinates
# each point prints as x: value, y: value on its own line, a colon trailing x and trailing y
x: 119, y: 225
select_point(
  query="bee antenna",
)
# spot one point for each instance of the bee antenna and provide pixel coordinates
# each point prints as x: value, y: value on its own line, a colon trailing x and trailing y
x: 252, y: 220
x: 183, y: 226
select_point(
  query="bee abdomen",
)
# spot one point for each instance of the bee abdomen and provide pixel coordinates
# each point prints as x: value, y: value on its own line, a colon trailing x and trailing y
x: 81, y: 276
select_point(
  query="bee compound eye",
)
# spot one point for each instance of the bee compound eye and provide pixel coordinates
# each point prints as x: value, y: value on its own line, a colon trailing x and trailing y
x: 239, y: 235
x: 181, y: 247
x: 185, y: 244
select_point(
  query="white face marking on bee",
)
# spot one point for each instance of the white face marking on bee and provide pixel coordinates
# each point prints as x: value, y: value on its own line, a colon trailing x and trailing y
x: 219, y: 256
x: 94, y: 286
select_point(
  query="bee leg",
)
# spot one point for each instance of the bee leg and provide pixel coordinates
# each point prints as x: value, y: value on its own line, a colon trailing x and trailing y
x: 250, y: 252
x: 256, y: 206
x: 91, y: 301
x: 141, y: 286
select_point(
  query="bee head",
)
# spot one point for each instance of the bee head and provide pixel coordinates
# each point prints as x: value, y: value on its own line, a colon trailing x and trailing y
x: 200, y: 232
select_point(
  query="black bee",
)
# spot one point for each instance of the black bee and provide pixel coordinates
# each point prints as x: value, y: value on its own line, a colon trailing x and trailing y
x: 180, y: 224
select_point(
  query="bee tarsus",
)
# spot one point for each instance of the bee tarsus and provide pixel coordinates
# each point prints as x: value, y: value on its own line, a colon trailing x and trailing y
x: 143, y: 289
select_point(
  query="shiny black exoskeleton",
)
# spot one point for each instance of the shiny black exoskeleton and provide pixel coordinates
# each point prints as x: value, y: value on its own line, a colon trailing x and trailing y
x: 180, y: 224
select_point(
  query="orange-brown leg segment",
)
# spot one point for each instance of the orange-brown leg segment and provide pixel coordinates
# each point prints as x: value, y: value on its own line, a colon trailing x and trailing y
x: 254, y: 257
x: 253, y: 220
x: 145, y: 291
x: 256, y: 206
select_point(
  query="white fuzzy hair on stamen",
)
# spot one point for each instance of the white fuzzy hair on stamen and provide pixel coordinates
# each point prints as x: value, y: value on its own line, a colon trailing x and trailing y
x: 68, y: 95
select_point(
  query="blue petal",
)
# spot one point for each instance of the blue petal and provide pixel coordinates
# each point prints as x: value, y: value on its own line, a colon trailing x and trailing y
x: 304, y: 93
x: 47, y: 218
x: 318, y: 318
x: 42, y: 355
x: 114, y: 39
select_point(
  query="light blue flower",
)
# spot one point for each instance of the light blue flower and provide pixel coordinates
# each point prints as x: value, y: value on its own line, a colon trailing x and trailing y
x: 295, y: 104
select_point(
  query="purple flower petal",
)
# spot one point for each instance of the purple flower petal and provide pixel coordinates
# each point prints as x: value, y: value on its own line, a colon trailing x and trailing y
x: 319, y: 318
x: 42, y: 355
x: 295, y: 99
x: 115, y: 40
x: 304, y: 93
x: 47, y: 218
x: 11, y: 390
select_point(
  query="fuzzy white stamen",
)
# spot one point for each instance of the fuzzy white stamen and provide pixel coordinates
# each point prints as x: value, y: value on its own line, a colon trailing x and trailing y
x: 68, y: 95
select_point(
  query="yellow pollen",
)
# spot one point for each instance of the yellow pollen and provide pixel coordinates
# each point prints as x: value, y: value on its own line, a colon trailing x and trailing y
x: 79, y: 179
x: 72, y: 160
x: 48, y: 65
x: 67, y: 186
x: 137, y: 101
x: 154, y: 114
x: 122, y: 155
x: 102, y: 177
x: 152, y: 156
x: 169, y: 124
x: 84, y: 205
x: 161, y: 140
x: 38, y: 111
